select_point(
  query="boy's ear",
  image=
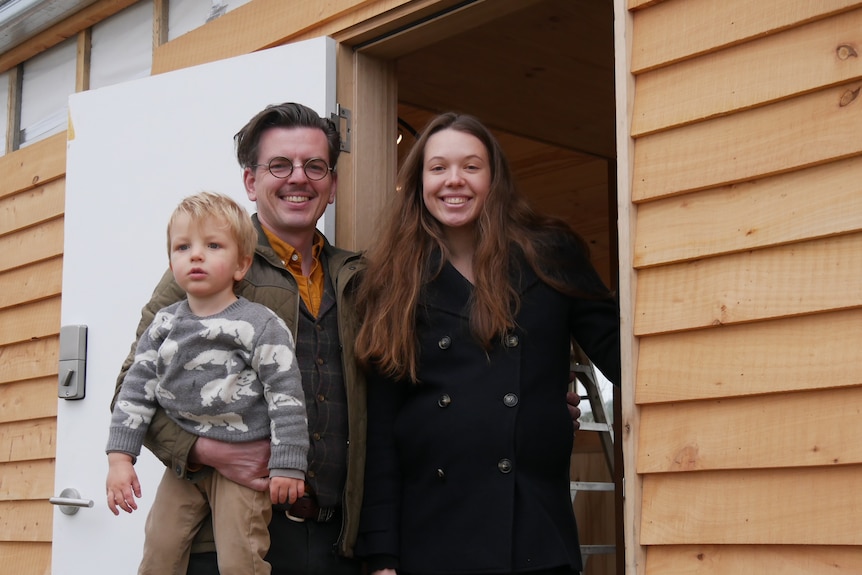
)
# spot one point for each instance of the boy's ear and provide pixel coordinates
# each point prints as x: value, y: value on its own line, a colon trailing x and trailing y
x: 242, y: 269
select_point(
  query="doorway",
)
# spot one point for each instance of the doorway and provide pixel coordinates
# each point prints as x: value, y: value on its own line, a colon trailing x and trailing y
x: 540, y: 73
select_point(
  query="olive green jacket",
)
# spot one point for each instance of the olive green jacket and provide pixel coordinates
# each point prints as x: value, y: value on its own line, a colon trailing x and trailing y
x: 269, y: 283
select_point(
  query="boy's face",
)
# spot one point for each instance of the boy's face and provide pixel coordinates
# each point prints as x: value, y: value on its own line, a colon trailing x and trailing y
x: 204, y: 257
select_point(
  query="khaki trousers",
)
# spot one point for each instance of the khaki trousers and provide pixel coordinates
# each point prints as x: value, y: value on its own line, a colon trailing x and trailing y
x: 240, y: 524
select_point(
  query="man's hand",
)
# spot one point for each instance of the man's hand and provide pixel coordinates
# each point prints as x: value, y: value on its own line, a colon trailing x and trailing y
x: 572, y: 399
x: 243, y: 463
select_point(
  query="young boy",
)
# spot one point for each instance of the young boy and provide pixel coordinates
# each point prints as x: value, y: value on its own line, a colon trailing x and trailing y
x: 221, y: 367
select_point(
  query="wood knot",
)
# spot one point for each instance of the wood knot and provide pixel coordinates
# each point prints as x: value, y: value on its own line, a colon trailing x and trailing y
x: 845, y: 51
x: 848, y: 96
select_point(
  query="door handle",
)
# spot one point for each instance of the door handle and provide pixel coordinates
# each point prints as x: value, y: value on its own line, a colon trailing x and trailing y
x: 70, y: 501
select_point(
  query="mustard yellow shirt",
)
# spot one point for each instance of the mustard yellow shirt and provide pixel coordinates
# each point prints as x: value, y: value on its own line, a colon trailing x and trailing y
x: 311, y: 286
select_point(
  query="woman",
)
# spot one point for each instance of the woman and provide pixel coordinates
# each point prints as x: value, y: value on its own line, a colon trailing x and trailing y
x: 471, y: 301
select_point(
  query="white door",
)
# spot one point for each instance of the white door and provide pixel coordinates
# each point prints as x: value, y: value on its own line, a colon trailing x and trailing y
x: 134, y: 151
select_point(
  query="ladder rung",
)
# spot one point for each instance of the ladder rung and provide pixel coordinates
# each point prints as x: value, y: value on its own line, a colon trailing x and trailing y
x: 591, y: 486
x: 598, y: 549
x: 594, y: 426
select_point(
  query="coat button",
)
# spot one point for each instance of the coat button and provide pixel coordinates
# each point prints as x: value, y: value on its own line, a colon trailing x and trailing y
x: 511, y: 340
x: 510, y: 400
x: 444, y: 342
x: 444, y: 400
x: 504, y: 465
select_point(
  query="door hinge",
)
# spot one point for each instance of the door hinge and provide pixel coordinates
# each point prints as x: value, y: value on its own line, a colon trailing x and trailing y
x: 337, y: 116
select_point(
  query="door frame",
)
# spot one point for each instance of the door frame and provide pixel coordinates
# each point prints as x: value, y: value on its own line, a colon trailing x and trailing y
x: 367, y: 83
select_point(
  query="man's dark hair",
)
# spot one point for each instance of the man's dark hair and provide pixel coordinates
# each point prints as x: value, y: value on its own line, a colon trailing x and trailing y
x: 287, y: 115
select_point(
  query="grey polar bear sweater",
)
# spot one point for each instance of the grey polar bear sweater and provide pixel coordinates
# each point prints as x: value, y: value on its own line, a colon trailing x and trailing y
x: 232, y: 376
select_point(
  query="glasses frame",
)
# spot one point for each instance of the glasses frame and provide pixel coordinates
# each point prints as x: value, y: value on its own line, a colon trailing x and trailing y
x: 268, y: 166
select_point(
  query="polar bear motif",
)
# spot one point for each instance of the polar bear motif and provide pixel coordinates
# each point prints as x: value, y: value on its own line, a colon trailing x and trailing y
x: 230, y: 421
x: 162, y: 321
x: 229, y: 389
x: 218, y: 357
x: 148, y: 357
x: 137, y: 415
x: 168, y: 350
x: 281, y: 356
x: 284, y: 400
x: 241, y: 331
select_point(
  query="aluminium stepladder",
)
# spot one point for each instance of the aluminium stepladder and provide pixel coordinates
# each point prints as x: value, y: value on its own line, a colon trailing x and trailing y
x: 586, y: 374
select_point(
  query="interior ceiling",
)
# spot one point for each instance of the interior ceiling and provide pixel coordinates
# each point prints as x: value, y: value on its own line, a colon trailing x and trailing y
x: 20, y: 20
x: 546, y: 72
x: 543, y: 79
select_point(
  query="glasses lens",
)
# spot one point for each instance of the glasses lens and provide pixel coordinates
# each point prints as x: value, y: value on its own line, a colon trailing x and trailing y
x: 281, y: 167
x: 316, y: 169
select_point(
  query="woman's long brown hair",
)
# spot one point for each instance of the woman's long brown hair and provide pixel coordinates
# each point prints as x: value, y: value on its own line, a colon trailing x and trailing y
x: 401, y: 260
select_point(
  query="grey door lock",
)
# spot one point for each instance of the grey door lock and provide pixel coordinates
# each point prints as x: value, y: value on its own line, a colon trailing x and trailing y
x: 73, y: 362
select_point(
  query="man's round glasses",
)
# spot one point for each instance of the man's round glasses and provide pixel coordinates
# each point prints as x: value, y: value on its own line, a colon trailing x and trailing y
x: 315, y: 168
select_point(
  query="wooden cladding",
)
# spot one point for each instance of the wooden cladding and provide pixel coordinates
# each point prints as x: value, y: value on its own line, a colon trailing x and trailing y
x: 676, y: 30
x: 798, y: 506
x: 807, y: 352
x: 747, y: 165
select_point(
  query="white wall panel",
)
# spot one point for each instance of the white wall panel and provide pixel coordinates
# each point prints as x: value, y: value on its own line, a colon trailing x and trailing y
x: 122, y: 46
x: 49, y: 79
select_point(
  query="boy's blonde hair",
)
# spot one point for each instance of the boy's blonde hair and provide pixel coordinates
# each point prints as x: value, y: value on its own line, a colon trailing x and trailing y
x: 217, y: 206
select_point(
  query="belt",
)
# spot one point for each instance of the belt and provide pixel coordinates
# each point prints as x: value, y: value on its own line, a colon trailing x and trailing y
x: 306, y: 508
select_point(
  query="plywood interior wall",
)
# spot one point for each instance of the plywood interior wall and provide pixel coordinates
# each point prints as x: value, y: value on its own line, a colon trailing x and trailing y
x: 747, y: 179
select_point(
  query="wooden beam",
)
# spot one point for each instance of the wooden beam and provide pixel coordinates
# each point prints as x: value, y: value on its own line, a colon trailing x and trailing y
x: 753, y: 432
x: 64, y: 30
x: 800, y: 506
x: 805, y: 131
x: 672, y: 31
x: 368, y: 176
x: 261, y: 24
x: 796, y: 279
x: 161, y: 20
x: 82, y: 61
x: 807, y: 352
x: 13, y: 109
x: 771, y: 68
x: 804, y: 204
x: 438, y: 25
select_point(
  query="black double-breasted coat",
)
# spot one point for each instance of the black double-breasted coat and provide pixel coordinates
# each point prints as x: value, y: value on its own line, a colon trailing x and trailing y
x: 468, y: 470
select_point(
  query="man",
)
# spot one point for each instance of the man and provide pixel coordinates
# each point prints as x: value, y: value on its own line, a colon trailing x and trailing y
x: 308, y: 283
x: 288, y: 156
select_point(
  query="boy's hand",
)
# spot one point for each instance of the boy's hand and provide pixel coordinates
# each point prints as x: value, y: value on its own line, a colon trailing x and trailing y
x: 122, y: 484
x: 285, y: 489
